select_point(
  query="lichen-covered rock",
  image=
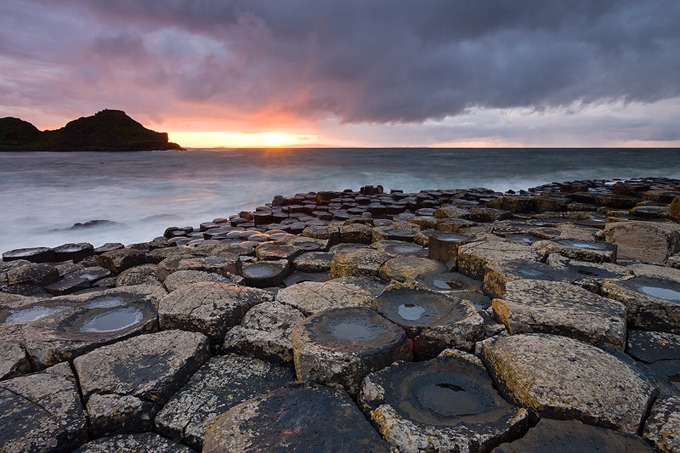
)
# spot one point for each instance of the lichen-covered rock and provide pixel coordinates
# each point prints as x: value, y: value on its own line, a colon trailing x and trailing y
x: 39, y: 274
x: 403, y: 268
x: 395, y: 232
x: 663, y: 425
x: 118, y: 414
x: 277, y: 251
x: 118, y: 260
x: 297, y: 417
x: 363, y: 262
x: 313, y: 262
x: 569, y: 436
x: 648, y: 242
x: 13, y: 358
x: 661, y: 352
x: 475, y: 256
x: 339, y: 346
x: 137, y: 443
x: 265, y: 274
x: 444, y: 404
x: 216, y: 387
x: 652, y: 303
x: 498, y: 275
x: 182, y: 278
x: 312, y: 297
x: 208, y: 307
x: 356, y: 233
x: 564, y: 378
x: 561, y: 308
x: 40, y: 413
x: 151, y: 367
x: 592, y: 251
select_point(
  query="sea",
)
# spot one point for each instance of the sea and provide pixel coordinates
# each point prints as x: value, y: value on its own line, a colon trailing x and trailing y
x: 44, y: 194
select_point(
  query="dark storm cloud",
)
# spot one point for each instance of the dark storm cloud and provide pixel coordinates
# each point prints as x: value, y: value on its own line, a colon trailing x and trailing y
x: 383, y: 61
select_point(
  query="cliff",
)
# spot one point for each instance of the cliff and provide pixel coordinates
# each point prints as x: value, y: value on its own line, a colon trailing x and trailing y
x: 108, y: 130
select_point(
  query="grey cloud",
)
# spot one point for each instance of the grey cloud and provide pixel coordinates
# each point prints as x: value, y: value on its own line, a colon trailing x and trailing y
x: 387, y: 61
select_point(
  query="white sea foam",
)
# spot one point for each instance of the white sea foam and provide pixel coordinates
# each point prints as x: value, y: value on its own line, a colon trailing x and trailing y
x: 43, y: 194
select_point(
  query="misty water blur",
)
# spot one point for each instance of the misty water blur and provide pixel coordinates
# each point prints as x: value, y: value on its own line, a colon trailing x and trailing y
x: 42, y: 195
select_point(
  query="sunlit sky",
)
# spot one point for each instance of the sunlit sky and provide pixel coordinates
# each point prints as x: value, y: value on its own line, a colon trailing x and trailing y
x: 256, y: 73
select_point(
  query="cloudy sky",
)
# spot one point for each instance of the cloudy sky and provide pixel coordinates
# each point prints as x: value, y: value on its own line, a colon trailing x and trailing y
x: 352, y: 72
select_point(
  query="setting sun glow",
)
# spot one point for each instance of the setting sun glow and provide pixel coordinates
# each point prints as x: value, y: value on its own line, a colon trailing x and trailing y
x: 274, y: 139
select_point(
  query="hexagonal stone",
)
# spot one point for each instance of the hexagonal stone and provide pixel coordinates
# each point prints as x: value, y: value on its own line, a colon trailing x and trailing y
x: 138, y: 443
x: 139, y: 275
x: 444, y: 246
x: 217, y: 386
x: 497, y: 276
x: 209, y: 308
x: 475, y: 256
x: 396, y: 232
x: 151, y: 367
x: 569, y: 436
x: 564, y: 378
x: 444, y: 404
x: 118, y: 260
x: 183, y: 278
x: 156, y: 256
x: 312, y: 297
x: 663, y: 425
x: 298, y: 417
x: 34, y: 255
x: 364, y: 262
x: 589, y: 275
x: 652, y: 303
x: 356, y: 233
x: 561, y: 308
x: 39, y: 274
x: 265, y: 333
x: 400, y: 248
x: 404, y: 268
x: 63, y: 328
x: 433, y: 321
x: 68, y: 285
x: 277, y: 251
x: 266, y: 274
x: 313, y: 262
x: 648, y: 242
x: 74, y: 252
x: 593, y: 251
x: 226, y: 264
x: 41, y: 413
x: 340, y: 346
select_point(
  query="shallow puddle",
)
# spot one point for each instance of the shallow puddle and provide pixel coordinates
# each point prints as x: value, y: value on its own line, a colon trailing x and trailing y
x: 585, y: 244
x: 32, y: 313
x: 660, y: 292
x: 448, y: 399
x: 411, y: 312
x: 112, y: 321
x: 356, y: 329
x: 106, y: 302
x: 258, y: 271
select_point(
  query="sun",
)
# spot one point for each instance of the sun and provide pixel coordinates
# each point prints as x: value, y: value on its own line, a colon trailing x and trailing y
x: 277, y: 139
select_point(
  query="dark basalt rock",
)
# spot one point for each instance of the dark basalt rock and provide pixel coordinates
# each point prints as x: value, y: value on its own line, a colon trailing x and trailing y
x: 108, y: 247
x: 661, y: 352
x: 36, y: 274
x: 138, y: 443
x: 497, y: 276
x: 400, y: 248
x: 663, y: 425
x: 265, y: 274
x: 445, y: 404
x: 118, y: 260
x: 276, y: 251
x: 74, y: 252
x: 41, y: 413
x: 408, y: 268
x: 444, y: 246
x: 298, y: 417
x: 217, y: 386
x: 313, y: 262
x: 597, y: 252
x: 300, y: 277
x: 339, y: 346
x: 34, y: 255
x: 433, y: 321
x: 573, y: 437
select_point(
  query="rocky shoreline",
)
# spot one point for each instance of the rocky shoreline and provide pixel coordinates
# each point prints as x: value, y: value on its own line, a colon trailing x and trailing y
x: 444, y: 320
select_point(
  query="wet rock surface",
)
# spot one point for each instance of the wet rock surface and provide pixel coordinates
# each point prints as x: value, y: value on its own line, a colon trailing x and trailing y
x: 299, y: 417
x: 573, y: 437
x: 217, y: 386
x: 542, y: 254
x: 444, y: 404
x: 40, y: 413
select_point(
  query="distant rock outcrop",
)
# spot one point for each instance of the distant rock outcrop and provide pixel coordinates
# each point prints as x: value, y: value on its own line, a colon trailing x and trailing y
x: 108, y: 130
